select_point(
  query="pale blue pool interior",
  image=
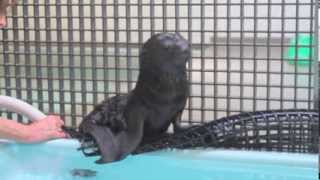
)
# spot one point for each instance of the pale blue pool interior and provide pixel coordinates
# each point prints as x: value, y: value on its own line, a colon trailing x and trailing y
x: 56, y: 159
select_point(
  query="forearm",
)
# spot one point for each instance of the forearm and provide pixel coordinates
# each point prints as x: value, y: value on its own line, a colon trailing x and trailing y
x: 12, y: 130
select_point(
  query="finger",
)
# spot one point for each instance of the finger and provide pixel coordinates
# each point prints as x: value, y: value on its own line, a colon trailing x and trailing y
x: 60, y: 122
x: 67, y: 135
x: 54, y: 118
x: 57, y: 125
x: 59, y: 134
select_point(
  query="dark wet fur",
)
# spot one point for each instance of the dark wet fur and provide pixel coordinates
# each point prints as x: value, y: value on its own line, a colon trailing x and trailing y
x: 119, y: 124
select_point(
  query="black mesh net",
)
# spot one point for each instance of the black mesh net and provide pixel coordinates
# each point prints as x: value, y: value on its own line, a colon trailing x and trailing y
x: 288, y: 131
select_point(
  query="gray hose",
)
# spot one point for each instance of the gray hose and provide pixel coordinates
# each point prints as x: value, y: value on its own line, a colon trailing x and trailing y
x: 21, y: 107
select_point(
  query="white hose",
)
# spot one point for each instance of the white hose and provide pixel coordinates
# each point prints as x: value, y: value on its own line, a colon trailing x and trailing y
x: 21, y: 107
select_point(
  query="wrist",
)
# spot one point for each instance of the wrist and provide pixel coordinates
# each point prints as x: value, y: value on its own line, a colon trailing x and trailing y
x: 15, y: 131
x: 25, y: 135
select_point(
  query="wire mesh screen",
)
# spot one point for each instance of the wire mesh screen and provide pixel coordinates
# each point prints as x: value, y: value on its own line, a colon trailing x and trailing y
x: 247, y: 55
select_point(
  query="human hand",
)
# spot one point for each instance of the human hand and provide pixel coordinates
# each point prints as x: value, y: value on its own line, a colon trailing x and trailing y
x: 45, y: 129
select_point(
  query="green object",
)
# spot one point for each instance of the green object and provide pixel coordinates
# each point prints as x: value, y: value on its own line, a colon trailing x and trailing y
x: 301, y: 52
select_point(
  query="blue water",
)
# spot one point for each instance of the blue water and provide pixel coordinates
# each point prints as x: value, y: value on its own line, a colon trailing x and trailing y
x: 56, y: 160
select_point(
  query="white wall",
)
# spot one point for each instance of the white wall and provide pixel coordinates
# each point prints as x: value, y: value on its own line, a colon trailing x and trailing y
x: 247, y: 22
